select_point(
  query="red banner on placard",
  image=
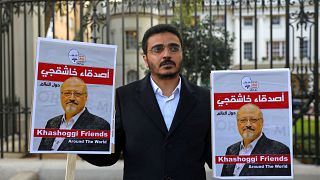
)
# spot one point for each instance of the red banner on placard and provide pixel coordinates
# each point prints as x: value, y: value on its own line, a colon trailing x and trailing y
x: 61, y: 72
x: 72, y: 133
x: 265, y: 100
x: 255, y: 159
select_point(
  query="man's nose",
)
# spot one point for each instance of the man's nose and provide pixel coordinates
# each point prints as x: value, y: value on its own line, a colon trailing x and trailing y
x: 248, y: 123
x: 72, y: 96
x: 166, y: 52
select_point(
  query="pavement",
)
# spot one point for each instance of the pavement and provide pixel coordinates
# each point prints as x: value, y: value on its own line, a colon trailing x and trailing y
x: 54, y: 169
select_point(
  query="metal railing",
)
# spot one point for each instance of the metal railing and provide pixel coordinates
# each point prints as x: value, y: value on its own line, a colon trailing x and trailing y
x: 267, y: 34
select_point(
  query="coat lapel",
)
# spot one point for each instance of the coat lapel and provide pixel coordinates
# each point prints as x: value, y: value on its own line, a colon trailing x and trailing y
x: 257, y: 150
x: 233, y: 151
x: 185, y: 105
x: 146, y: 98
x: 81, y: 122
x: 260, y: 145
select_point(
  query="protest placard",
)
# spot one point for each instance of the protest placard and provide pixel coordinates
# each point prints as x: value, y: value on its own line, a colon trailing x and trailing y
x: 251, y: 124
x: 73, y: 102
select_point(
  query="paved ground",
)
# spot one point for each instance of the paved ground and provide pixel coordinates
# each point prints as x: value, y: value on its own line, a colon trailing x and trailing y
x: 52, y: 169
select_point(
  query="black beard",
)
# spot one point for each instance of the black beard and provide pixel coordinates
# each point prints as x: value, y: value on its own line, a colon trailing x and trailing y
x: 168, y: 76
x: 165, y: 76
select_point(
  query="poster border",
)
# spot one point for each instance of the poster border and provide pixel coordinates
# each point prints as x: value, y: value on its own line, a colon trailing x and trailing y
x: 213, y: 143
x: 112, y: 122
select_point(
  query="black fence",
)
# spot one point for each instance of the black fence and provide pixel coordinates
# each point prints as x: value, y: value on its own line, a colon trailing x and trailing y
x: 261, y: 34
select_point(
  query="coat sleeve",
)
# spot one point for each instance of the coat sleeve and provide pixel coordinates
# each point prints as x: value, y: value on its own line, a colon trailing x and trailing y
x: 208, y: 137
x: 109, y: 159
x: 209, y: 150
x: 226, y: 168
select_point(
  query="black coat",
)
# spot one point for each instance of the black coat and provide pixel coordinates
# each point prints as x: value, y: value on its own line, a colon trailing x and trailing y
x: 86, y: 121
x: 263, y: 146
x: 150, y: 151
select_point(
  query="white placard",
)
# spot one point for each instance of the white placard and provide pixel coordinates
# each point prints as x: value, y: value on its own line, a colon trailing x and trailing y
x: 60, y: 67
x: 251, y: 124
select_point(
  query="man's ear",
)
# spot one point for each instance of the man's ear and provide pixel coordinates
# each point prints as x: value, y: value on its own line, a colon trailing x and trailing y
x: 145, y: 59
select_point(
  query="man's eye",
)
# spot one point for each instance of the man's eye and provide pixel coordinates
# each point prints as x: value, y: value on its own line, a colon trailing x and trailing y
x: 157, y: 49
x: 174, y: 48
x: 67, y: 93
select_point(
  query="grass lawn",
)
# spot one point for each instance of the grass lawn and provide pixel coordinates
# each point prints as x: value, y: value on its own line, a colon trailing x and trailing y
x: 308, y: 127
x: 305, y: 146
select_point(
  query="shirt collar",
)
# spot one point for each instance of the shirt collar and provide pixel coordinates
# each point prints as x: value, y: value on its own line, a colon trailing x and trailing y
x: 252, y: 144
x: 74, y: 118
x: 157, y: 90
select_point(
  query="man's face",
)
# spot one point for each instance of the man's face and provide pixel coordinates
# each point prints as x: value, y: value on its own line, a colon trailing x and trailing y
x: 246, y: 83
x: 250, y: 122
x: 73, y: 55
x: 73, y: 96
x: 164, y: 55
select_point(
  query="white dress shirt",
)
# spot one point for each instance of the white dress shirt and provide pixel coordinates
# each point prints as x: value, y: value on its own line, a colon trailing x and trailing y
x: 244, y: 151
x: 65, y: 125
x: 168, y: 104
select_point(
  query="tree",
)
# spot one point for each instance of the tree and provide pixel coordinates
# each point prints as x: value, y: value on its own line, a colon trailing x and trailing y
x: 203, y: 50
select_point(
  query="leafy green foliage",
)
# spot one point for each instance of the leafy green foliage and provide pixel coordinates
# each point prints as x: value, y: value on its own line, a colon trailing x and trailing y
x: 206, y: 46
x: 204, y: 50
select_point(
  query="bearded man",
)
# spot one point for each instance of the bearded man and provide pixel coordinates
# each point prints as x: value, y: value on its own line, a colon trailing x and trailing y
x: 73, y: 97
x: 250, y: 123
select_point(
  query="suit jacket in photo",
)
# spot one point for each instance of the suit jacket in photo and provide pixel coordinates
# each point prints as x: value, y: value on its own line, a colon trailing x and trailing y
x: 86, y: 121
x: 263, y: 146
x: 150, y: 151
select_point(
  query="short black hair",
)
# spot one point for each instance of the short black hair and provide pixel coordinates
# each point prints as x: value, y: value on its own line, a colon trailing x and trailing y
x: 160, y: 28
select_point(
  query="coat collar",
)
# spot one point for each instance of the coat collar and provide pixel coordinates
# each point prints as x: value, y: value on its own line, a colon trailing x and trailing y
x: 257, y: 150
x: 186, y: 104
x: 146, y: 98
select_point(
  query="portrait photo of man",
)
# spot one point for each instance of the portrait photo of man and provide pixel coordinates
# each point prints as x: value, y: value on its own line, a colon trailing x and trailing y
x: 250, y: 122
x: 73, y: 98
x: 73, y: 55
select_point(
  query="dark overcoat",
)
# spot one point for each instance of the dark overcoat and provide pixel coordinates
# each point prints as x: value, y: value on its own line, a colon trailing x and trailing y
x: 150, y: 151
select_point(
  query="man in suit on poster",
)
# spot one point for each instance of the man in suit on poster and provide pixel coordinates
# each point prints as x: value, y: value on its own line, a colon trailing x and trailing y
x: 250, y: 123
x: 162, y: 121
x: 73, y: 100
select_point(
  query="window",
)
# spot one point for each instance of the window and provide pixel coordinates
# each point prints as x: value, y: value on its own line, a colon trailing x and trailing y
x: 131, y: 76
x: 112, y: 36
x: 275, y: 20
x: 219, y: 21
x: 304, y: 49
x: 248, y: 51
x: 131, y: 40
x: 248, y: 21
x: 278, y: 49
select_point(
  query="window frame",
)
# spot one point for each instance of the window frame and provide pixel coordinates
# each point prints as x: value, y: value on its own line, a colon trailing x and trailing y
x: 246, y: 21
x: 245, y: 52
x: 131, y: 39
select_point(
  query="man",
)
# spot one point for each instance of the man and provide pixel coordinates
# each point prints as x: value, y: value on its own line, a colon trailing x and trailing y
x: 250, y: 124
x: 73, y: 100
x: 73, y: 56
x: 162, y: 121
